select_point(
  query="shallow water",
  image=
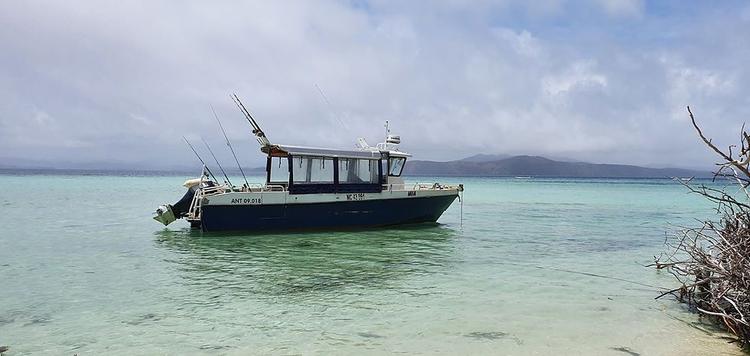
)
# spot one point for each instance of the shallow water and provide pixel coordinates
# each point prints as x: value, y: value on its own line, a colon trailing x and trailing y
x: 539, y: 266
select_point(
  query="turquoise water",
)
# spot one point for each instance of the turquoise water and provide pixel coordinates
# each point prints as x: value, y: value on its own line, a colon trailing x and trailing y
x: 539, y: 266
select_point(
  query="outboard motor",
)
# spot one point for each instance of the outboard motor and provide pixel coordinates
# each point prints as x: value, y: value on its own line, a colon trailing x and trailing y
x: 168, y: 213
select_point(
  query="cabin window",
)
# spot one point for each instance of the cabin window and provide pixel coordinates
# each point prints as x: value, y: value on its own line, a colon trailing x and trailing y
x: 279, y: 170
x: 396, y: 165
x: 358, y: 171
x: 383, y: 165
x: 312, y: 170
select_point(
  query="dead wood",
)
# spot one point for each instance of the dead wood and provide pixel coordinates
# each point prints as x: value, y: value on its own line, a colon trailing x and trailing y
x: 712, y: 261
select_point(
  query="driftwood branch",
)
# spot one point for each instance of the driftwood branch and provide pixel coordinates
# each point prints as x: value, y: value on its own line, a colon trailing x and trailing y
x: 712, y: 261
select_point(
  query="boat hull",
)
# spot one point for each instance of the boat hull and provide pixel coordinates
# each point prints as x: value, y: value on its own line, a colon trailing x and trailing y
x: 325, y: 215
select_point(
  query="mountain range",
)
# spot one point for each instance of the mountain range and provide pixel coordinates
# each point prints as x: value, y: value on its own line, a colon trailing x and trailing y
x: 480, y: 165
x: 484, y: 165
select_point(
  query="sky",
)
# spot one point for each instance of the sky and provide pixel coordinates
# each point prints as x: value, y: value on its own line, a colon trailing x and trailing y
x: 107, y: 84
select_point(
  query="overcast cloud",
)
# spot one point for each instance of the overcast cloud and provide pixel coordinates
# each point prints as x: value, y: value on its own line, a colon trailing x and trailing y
x: 107, y: 83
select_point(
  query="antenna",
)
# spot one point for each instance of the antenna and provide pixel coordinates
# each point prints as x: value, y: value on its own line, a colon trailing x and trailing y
x: 387, y: 129
x: 261, y: 137
x: 230, y: 145
x: 330, y: 107
x: 217, y: 161
x: 199, y: 158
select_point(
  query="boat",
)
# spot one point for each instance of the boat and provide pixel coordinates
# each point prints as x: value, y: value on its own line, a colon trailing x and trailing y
x: 313, y: 188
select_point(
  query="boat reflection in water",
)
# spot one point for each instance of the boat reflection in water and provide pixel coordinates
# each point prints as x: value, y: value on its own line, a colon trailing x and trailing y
x: 221, y: 266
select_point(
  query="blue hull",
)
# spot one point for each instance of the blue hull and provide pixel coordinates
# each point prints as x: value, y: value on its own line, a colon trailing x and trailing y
x: 364, y: 213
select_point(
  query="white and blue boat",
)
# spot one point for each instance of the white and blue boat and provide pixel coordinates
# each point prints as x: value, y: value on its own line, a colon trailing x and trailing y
x: 314, y: 188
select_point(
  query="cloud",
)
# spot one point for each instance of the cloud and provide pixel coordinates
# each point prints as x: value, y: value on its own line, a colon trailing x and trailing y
x: 625, y: 8
x: 605, y: 81
x: 577, y: 76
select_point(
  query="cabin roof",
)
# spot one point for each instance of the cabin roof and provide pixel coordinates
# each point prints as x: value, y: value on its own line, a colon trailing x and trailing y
x: 285, y: 150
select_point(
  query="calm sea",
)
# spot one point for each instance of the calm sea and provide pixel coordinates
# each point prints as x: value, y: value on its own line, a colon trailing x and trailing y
x: 538, y: 266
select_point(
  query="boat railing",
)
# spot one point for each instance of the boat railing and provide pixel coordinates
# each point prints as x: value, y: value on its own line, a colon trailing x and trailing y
x: 195, y: 206
x: 253, y: 188
x: 433, y: 186
x: 422, y: 186
x: 260, y: 188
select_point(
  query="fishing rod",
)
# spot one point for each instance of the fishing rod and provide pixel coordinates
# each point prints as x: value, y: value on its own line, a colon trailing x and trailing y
x: 330, y: 107
x: 261, y: 137
x: 230, y: 145
x: 200, y: 159
x: 217, y: 161
x: 250, y: 119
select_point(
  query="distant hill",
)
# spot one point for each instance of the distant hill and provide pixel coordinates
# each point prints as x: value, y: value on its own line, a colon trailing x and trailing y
x: 536, y: 166
x: 485, y: 157
x: 480, y: 165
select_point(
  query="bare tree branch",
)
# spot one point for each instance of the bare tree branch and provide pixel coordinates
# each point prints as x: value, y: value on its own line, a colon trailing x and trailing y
x: 712, y: 261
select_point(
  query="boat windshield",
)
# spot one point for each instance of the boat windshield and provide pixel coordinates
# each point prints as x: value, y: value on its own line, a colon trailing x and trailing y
x: 396, y: 165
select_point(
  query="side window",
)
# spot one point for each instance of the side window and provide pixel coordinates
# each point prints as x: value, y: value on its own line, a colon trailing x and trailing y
x: 348, y: 170
x: 396, y: 165
x: 279, y: 170
x: 374, y: 174
x: 312, y: 170
x: 300, y: 170
x: 321, y: 170
x: 383, y: 168
x: 353, y: 171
